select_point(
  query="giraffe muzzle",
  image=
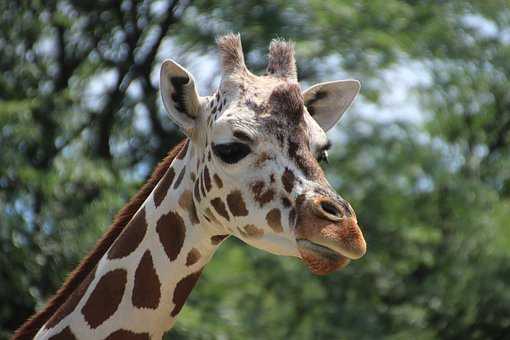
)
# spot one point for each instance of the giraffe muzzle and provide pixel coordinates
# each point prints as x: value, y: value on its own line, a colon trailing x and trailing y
x: 328, y: 234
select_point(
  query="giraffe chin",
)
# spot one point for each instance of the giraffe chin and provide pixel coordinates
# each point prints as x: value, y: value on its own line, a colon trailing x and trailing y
x: 320, y: 260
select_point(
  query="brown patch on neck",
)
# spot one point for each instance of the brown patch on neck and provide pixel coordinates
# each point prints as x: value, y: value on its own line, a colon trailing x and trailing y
x: 164, y: 185
x: 186, y: 202
x: 216, y: 239
x: 207, y: 179
x: 29, y: 329
x: 236, y: 204
x: 261, y: 194
x: 218, y: 181
x: 130, y: 238
x: 172, y: 231
x: 182, y: 290
x: 193, y: 257
x: 104, y: 300
x: 147, y: 287
x: 274, y: 220
x: 219, y: 206
x: 288, y: 179
x: 179, y: 178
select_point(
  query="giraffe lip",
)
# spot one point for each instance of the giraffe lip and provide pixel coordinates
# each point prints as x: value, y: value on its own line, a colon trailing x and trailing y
x: 319, y: 249
x: 320, y: 259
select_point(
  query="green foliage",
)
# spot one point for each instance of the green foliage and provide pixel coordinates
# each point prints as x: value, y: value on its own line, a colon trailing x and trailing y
x: 81, y: 127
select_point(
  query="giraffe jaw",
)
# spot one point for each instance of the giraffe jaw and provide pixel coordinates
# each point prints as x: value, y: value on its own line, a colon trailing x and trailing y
x: 320, y: 259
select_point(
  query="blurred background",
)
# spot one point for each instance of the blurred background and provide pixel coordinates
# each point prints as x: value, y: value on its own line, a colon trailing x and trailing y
x: 423, y: 156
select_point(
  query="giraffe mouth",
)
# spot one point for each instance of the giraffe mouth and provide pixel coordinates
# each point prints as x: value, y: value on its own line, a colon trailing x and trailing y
x: 319, y: 249
x: 320, y: 259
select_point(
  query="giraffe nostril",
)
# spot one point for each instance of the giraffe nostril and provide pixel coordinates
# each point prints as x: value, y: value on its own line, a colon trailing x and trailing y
x: 331, y: 209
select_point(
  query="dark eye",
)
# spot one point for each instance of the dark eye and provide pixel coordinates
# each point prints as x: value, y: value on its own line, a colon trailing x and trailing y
x: 323, y: 156
x: 231, y: 152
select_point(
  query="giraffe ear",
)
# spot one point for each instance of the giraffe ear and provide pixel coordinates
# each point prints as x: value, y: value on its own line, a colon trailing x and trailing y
x: 179, y: 95
x: 326, y: 102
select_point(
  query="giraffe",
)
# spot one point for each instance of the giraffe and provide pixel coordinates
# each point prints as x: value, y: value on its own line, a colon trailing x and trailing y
x: 248, y: 167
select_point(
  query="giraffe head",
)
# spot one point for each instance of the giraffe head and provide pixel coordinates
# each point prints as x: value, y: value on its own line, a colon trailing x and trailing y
x: 255, y: 148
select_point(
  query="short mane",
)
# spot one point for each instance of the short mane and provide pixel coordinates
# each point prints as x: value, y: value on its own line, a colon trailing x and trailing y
x: 30, y: 328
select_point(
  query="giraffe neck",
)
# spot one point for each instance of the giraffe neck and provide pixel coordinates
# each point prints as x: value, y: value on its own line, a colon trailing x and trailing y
x: 141, y: 283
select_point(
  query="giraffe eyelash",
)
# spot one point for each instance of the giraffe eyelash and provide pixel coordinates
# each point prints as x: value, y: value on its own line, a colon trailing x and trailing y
x: 323, y: 153
x: 323, y: 156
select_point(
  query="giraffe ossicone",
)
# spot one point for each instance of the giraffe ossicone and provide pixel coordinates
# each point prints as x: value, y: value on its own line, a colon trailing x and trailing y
x: 248, y: 168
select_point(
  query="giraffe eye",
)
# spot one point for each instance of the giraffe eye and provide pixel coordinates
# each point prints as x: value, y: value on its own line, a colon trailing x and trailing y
x: 231, y: 152
x: 323, y: 157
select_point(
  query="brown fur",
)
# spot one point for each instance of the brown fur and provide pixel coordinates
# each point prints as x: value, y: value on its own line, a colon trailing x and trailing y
x: 232, y: 58
x: 251, y: 231
x: 220, y: 208
x: 131, y: 238
x: 281, y: 59
x: 218, y: 181
x: 172, y: 232
x: 105, y: 298
x: 29, y: 329
x: 147, y: 287
x: 262, y: 194
x: 193, y: 257
x: 216, y: 239
x: 287, y: 99
x: 274, y: 220
x: 182, y: 290
x: 236, y: 204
